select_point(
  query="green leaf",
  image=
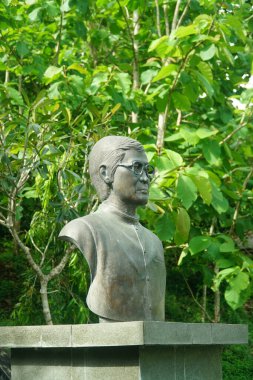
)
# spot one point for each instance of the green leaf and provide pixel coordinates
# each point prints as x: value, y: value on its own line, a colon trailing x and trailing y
x: 124, y: 81
x: 98, y: 79
x: 180, y: 101
x: 22, y: 49
x: 190, y: 136
x: 186, y: 190
x: 212, y: 151
x: 205, y: 84
x: 155, y: 193
x: 183, y: 254
x: 51, y: 73
x: 232, y: 296
x: 224, y: 274
x: 199, y: 243
x: 208, y: 52
x: 77, y: 67
x: 204, y: 187
x: 240, y: 281
x: 206, y: 70
x: 14, y: 96
x: 213, y: 251
x: 80, y: 29
x: 224, y: 263
x: 203, y: 133
x: 82, y: 6
x: 165, y: 71
x: 175, y: 158
x: 219, y: 202
x: 228, y: 55
x: 147, y: 76
x: 35, y: 14
x: 65, y: 7
x: 165, y: 227
x: 164, y: 164
x: 228, y: 245
x: 174, y: 137
x: 183, y: 224
x: 30, y: 194
x: 184, y: 31
x: 19, y: 212
x: 160, y: 41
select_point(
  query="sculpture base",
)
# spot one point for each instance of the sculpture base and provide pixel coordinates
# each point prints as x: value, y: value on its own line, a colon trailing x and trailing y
x: 120, y: 351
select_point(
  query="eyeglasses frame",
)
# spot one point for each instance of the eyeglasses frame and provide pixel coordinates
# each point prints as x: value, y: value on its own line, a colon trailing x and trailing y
x: 144, y: 166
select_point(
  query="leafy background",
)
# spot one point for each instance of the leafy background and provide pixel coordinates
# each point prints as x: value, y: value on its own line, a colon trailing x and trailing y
x: 175, y: 75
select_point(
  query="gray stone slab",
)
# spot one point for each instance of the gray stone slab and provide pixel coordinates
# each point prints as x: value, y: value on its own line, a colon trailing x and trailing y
x: 41, y: 364
x: 56, y: 336
x: 175, y: 333
x: 229, y: 334
x: 123, y: 334
x: 112, y: 363
x: 180, y: 363
x: 21, y: 336
x: 157, y: 363
x: 108, y: 334
x: 78, y: 364
x: 35, y: 336
x: 161, y: 333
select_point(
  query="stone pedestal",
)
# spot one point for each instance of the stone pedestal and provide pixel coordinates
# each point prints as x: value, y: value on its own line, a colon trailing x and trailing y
x: 120, y: 351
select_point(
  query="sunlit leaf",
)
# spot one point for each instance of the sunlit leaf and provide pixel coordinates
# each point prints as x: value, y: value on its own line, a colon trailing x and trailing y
x: 165, y: 227
x: 184, y: 31
x: 207, y: 52
x: 186, y: 190
x: 199, y: 244
x: 183, y: 224
x: 165, y: 71
x: 204, y: 187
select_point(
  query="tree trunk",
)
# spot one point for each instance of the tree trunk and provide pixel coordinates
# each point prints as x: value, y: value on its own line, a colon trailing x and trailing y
x: 203, y: 316
x: 216, y: 301
x: 136, y: 80
x: 45, y: 304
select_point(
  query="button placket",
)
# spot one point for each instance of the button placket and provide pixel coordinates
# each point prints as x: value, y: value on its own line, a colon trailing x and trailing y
x: 148, y: 306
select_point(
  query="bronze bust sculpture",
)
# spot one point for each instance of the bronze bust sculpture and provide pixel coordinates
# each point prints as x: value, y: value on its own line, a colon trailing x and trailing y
x: 126, y: 260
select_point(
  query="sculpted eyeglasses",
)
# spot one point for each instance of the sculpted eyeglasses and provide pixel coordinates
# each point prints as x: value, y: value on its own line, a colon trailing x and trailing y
x: 137, y: 168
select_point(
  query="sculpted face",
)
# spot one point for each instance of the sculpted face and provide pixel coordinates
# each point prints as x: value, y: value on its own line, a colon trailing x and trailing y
x: 127, y: 186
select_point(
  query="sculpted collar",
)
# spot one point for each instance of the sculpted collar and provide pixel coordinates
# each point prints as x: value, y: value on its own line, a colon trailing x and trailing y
x: 106, y: 206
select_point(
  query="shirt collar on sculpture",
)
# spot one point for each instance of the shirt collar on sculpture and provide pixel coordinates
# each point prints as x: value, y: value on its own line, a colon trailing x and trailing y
x: 106, y: 206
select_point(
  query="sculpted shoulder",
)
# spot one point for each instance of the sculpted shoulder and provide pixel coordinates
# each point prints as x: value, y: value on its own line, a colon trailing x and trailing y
x: 153, y: 237
x: 77, y: 225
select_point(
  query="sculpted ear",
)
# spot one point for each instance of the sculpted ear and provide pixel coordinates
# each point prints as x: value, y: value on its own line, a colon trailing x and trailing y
x: 103, y: 172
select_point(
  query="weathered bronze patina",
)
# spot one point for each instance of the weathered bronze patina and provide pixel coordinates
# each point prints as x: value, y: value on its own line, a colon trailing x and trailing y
x: 125, y: 259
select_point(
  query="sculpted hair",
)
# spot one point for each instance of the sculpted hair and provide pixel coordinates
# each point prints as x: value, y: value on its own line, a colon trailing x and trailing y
x: 109, y: 151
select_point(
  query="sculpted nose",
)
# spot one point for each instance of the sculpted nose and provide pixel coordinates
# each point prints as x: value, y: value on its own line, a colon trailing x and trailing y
x: 144, y: 177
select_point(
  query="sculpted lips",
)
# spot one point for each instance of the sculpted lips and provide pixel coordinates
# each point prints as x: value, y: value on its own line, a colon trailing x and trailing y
x: 143, y: 190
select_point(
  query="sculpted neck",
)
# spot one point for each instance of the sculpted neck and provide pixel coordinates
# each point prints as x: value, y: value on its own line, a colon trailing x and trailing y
x: 124, y: 207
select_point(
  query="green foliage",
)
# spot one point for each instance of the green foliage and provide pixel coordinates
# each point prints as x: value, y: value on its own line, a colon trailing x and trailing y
x: 68, y: 77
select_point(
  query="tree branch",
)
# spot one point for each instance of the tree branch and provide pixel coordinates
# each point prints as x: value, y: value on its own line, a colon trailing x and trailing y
x: 158, y: 18
x: 238, y: 204
x: 175, y: 16
x: 58, y: 45
x: 59, y: 268
x: 196, y: 301
x: 27, y: 252
x: 136, y: 79
x: 166, y: 19
x: 183, y: 13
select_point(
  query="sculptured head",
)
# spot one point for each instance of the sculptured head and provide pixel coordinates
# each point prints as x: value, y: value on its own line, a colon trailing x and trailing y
x: 106, y: 156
